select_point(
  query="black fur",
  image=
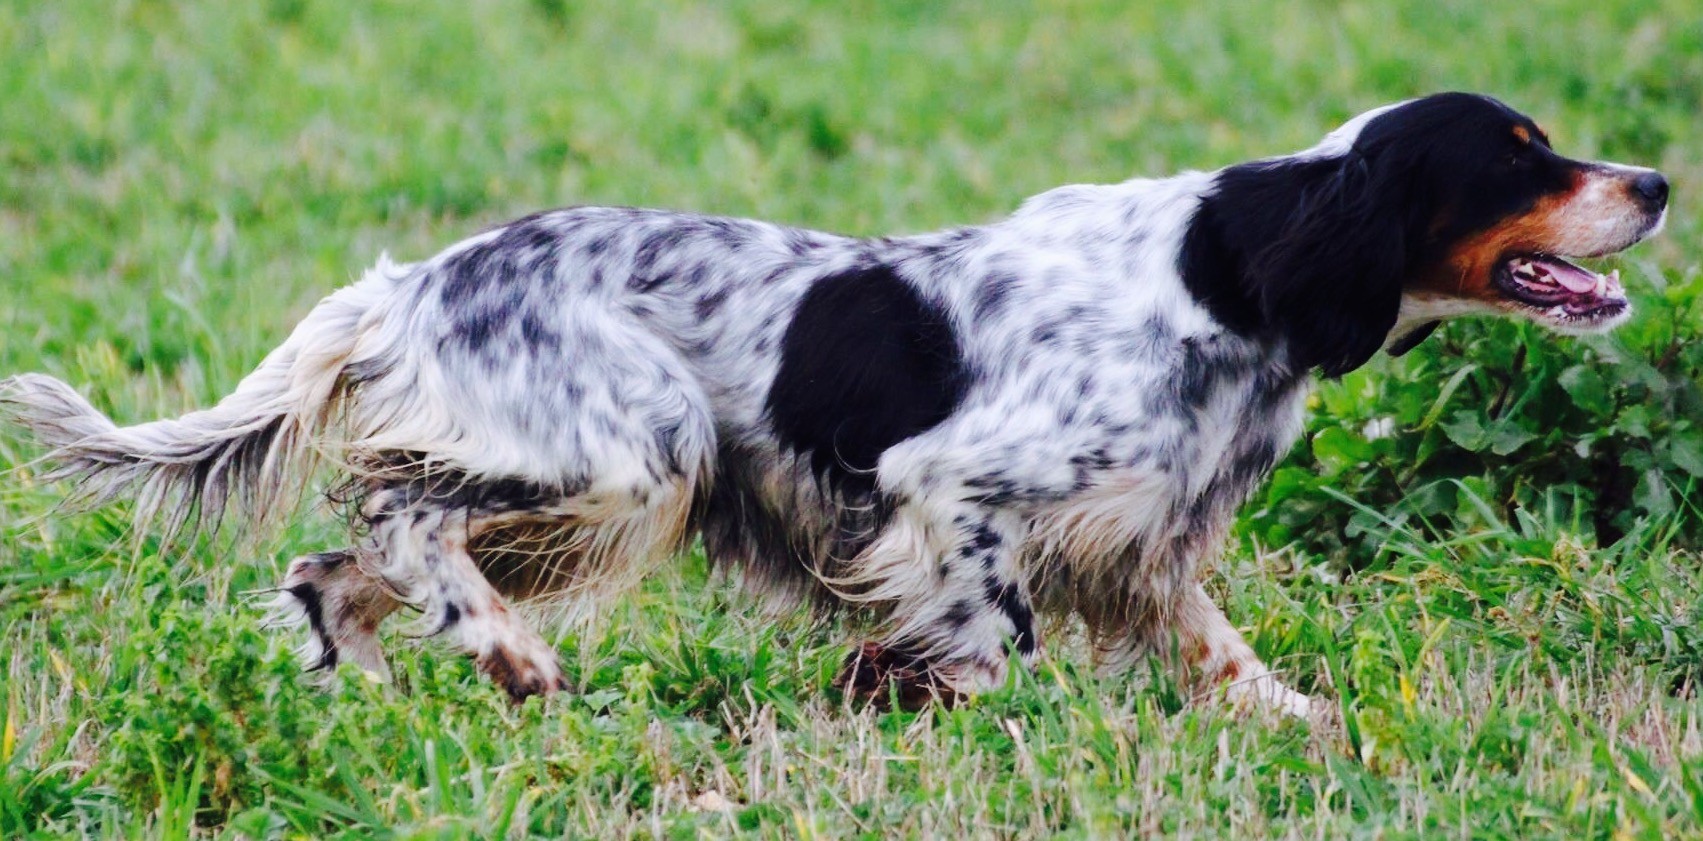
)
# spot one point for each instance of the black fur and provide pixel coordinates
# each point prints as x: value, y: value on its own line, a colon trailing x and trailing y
x: 1312, y: 252
x: 308, y: 598
x: 1462, y: 157
x: 865, y: 364
x: 1411, y: 339
x: 1309, y: 253
x: 746, y: 530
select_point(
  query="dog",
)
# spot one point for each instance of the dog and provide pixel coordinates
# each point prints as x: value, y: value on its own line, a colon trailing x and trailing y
x: 1056, y: 414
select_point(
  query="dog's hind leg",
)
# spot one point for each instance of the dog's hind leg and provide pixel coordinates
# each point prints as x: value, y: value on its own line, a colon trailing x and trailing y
x: 342, y: 607
x: 418, y: 548
x: 418, y: 551
x: 637, y: 446
x: 572, y: 424
x: 579, y: 549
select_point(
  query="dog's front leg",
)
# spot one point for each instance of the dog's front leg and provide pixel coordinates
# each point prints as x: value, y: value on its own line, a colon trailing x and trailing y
x: 949, y: 574
x: 1212, y: 653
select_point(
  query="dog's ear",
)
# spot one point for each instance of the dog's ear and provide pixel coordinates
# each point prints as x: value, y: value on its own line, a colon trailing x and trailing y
x: 1310, y: 251
x: 1412, y: 338
x: 1331, y: 279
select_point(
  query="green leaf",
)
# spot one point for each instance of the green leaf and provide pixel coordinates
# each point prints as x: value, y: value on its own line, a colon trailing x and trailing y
x: 1337, y: 450
x: 1634, y: 421
x: 1506, y: 437
x: 1686, y: 453
x: 1443, y: 396
x: 1652, y: 494
x: 1588, y: 389
x: 1467, y: 431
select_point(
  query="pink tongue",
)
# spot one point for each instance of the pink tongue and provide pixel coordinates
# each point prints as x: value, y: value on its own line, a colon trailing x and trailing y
x: 1576, y: 279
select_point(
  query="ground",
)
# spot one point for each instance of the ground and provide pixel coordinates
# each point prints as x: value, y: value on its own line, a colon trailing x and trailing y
x: 180, y: 181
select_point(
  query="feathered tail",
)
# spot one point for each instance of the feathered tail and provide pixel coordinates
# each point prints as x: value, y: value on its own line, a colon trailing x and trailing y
x: 255, y: 446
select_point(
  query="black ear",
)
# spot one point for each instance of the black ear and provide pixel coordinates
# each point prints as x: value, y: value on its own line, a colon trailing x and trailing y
x: 1309, y: 251
x: 1412, y: 338
x: 1331, y: 279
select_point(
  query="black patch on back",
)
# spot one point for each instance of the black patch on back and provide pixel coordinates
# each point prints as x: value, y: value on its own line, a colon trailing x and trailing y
x: 865, y: 364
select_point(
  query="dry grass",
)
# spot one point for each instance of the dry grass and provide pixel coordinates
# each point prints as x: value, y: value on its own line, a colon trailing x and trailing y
x: 178, y: 181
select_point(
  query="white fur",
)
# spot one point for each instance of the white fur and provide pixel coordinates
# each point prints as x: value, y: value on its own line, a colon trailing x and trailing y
x: 550, y: 407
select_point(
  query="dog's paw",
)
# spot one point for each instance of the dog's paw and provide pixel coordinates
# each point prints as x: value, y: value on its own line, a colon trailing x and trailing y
x: 1267, y: 693
x: 341, y: 607
x: 885, y: 676
x: 523, y: 672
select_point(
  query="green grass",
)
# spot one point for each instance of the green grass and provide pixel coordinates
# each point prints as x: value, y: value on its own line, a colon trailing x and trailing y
x: 180, y: 181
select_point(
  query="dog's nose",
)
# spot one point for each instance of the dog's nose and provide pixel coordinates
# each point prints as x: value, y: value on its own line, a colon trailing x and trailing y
x: 1652, y: 188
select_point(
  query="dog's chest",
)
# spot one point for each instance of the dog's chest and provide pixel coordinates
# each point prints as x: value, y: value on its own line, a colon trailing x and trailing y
x: 1210, y: 435
x: 1238, y: 448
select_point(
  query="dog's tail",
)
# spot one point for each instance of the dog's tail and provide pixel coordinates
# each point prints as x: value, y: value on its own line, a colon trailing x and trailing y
x: 255, y: 446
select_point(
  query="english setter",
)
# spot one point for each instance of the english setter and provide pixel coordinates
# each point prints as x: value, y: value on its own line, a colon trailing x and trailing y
x: 1057, y: 412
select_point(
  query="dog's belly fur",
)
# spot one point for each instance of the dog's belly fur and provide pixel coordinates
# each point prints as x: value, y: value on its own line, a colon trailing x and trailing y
x: 1112, y: 533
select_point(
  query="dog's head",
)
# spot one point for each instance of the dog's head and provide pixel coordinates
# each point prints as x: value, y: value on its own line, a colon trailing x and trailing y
x: 1448, y: 205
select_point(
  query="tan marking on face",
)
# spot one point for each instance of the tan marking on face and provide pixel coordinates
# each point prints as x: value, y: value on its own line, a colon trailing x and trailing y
x: 1597, y: 215
x: 1520, y: 134
x: 1467, y: 270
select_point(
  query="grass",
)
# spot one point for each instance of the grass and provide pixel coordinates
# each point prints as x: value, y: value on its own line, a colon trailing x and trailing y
x: 180, y: 181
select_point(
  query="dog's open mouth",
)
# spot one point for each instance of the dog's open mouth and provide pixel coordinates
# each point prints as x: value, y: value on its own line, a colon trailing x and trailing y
x: 1562, y: 291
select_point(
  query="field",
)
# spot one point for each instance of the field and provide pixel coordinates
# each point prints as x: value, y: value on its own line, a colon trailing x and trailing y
x: 1501, y: 599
